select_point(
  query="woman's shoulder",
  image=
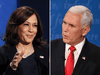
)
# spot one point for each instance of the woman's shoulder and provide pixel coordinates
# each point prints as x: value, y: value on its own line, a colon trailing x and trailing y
x: 42, y: 53
x: 46, y: 47
x: 43, y: 48
x: 3, y: 56
x: 2, y: 49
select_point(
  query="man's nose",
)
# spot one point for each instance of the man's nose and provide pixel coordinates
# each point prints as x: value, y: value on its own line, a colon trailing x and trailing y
x: 65, y: 28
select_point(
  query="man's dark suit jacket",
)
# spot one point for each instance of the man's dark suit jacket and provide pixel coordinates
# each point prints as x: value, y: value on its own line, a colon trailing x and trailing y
x: 88, y: 66
x: 6, y: 56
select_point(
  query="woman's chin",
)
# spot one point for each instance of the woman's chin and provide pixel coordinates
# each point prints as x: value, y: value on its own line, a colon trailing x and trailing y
x: 26, y: 42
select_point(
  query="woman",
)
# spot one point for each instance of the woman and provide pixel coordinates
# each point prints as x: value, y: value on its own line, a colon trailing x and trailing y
x: 23, y: 52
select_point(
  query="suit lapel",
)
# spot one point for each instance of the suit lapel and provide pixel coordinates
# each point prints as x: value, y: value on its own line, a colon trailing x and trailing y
x: 41, y: 56
x: 61, y: 57
x: 82, y: 60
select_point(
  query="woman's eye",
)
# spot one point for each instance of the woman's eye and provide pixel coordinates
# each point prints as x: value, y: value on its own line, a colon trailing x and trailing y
x: 35, y: 25
x: 26, y: 24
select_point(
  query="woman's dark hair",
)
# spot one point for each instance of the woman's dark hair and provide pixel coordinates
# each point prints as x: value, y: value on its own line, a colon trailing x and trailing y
x: 18, y: 17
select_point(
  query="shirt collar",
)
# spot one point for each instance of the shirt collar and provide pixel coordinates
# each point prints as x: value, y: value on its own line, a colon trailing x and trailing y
x: 78, y: 47
x: 67, y: 46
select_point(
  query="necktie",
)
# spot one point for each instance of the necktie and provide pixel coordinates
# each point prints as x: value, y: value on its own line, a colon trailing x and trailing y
x: 70, y: 62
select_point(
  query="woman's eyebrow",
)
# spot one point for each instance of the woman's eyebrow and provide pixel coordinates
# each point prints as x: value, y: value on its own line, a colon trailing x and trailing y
x: 26, y: 22
x: 29, y: 22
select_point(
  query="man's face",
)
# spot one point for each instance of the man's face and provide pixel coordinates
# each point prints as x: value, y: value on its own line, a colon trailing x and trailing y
x: 72, y: 31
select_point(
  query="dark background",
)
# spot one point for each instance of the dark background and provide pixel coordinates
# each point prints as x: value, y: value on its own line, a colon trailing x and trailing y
x: 7, y: 7
x: 42, y: 7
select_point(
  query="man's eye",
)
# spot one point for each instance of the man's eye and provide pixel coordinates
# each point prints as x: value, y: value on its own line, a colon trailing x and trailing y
x: 71, y: 25
x: 64, y: 22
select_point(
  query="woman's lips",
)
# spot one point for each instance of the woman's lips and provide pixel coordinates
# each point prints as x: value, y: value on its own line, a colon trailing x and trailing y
x: 29, y: 36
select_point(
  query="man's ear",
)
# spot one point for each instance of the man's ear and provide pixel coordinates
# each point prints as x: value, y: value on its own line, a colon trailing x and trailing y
x: 85, y: 30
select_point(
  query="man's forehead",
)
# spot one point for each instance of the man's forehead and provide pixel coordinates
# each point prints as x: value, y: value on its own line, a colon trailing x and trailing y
x: 72, y: 18
x: 73, y: 15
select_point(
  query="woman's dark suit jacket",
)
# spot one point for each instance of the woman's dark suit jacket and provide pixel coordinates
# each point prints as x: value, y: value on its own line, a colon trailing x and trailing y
x: 7, y: 54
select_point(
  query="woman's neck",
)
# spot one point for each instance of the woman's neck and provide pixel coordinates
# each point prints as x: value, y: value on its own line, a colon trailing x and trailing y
x: 27, y: 48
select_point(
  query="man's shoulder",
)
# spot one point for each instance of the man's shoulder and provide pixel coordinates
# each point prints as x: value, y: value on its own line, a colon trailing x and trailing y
x: 57, y: 41
x: 94, y: 49
x: 93, y: 46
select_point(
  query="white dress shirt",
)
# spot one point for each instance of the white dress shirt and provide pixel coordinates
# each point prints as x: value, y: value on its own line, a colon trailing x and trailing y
x: 77, y: 52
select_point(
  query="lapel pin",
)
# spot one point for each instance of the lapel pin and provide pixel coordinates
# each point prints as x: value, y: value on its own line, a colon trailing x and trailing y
x: 83, y: 58
x: 42, y: 57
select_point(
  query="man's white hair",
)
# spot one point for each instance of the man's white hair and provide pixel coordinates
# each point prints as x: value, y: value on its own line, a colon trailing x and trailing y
x: 87, y: 15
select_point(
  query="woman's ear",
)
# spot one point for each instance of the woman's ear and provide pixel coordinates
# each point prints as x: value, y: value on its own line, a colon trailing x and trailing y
x: 85, y: 30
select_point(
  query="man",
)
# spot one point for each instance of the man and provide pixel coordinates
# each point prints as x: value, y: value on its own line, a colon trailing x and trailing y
x: 85, y: 57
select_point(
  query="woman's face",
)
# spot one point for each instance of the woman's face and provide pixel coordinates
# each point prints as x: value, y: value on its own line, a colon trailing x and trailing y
x: 28, y: 30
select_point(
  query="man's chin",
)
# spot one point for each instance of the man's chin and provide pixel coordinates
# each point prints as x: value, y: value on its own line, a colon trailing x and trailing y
x: 65, y: 40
